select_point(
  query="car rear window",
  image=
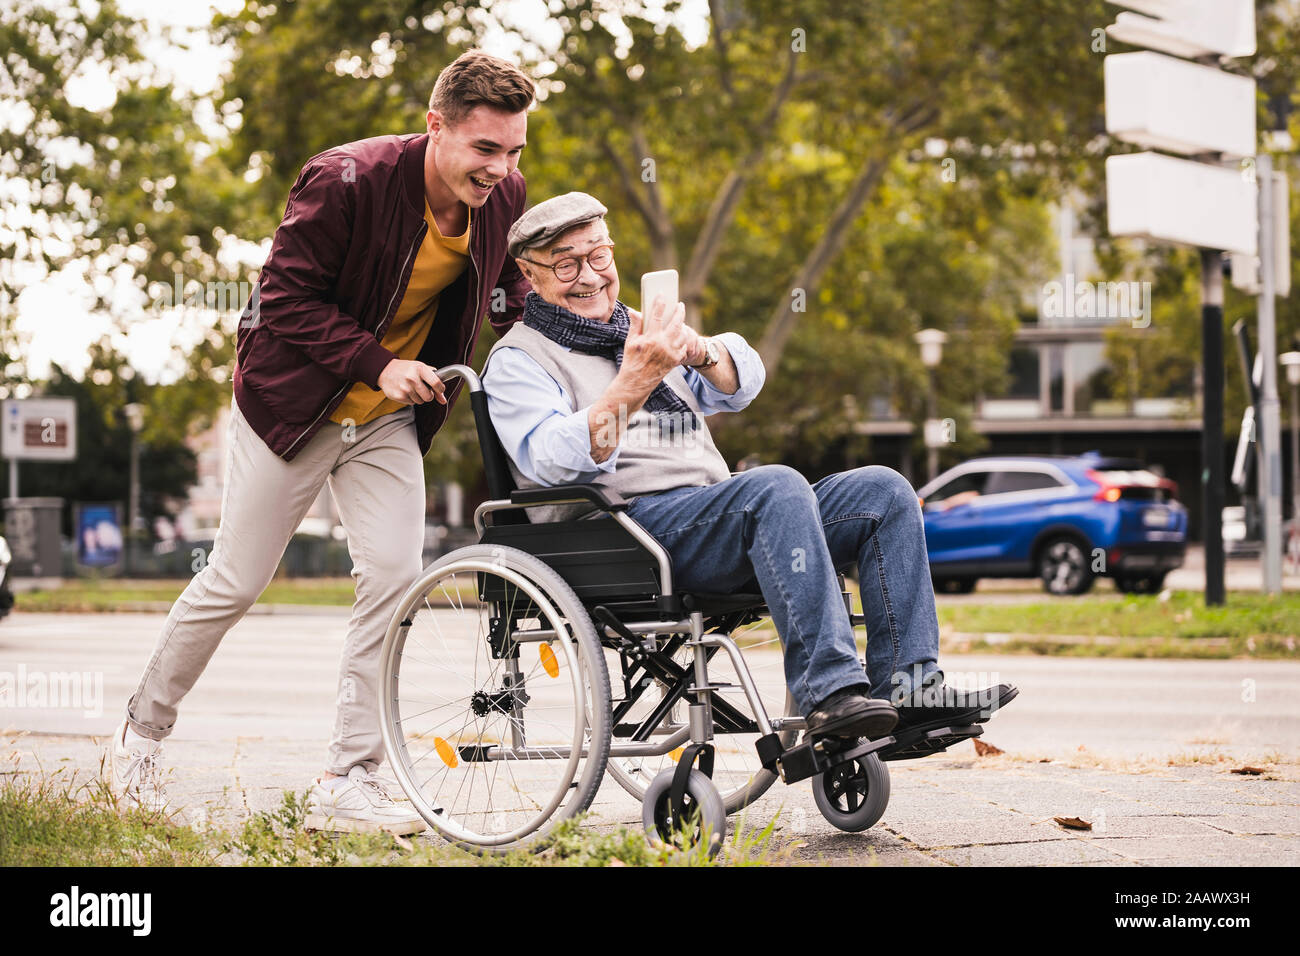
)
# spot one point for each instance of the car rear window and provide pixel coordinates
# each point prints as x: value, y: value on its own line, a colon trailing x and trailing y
x: 975, y: 481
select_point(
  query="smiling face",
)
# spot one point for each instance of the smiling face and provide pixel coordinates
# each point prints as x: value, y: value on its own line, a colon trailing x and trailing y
x: 592, y: 294
x: 469, y: 158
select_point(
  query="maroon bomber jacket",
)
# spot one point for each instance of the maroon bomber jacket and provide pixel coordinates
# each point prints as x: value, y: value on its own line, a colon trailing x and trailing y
x: 338, y: 269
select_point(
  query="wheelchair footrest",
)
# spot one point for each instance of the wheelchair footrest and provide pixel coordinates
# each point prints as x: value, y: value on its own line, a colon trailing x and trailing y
x: 811, y: 757
x: 913, y: 744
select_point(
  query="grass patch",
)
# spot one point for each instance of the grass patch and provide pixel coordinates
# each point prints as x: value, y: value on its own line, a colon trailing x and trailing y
x: 1182, y: 615
x: 116, y: 594
x: 1260, y: 648
x: 1136, y: 626
x: 80, y: 595
x: 52, y: 820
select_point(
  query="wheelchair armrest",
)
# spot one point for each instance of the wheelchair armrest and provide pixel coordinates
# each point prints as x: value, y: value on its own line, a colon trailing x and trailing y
x: 602, y: 498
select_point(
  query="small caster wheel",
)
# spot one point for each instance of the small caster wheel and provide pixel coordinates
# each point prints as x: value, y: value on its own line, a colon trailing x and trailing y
x: 853, y: 796
x: 705, y: 815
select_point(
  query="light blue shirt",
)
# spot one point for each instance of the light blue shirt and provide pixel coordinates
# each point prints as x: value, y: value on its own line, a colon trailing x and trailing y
x: 550, y: 441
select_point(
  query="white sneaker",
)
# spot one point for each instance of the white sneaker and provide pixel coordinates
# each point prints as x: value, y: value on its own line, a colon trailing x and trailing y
x: 361, y: 805
x: 134, y: 775
x: 390, y: 787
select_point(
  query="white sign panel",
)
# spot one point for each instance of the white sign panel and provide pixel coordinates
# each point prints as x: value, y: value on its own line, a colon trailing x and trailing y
x: 1174, y: 200
x: 1164, y: 103
x: 1245, y: 269
x: 39, y: 429
x: 1190, y: 28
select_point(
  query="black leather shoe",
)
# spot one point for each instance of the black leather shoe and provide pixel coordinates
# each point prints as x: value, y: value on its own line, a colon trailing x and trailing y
x: 850, y: 713
x: 938, y: 705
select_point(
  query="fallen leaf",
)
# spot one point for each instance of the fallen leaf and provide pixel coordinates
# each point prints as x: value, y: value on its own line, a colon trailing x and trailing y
x: 1250, y: 771
x: 985, y: 750
x: 1073, y: 823
x: 799, y: 846
x: 615, y: 861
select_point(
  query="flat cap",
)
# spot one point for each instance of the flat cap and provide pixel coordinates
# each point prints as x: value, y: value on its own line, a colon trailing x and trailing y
x: 549, y: 219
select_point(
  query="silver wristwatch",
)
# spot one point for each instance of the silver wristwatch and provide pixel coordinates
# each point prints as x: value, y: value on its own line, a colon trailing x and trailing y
x: 712, y: 354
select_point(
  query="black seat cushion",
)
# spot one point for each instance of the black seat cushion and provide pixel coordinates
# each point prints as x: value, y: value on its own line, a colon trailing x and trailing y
x: 711, y: 604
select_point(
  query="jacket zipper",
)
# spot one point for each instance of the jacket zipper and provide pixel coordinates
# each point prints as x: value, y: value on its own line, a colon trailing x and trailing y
x: 473, y: 268
x: 378, y: 334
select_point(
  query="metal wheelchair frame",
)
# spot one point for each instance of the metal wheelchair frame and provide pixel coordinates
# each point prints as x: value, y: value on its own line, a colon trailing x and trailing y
x: 623, y: 621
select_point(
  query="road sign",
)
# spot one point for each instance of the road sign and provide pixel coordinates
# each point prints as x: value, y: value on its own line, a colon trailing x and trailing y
x: 1190, y: 28
x: 39, y: 429
x: 1161, y: 102
x: 1152, y: 196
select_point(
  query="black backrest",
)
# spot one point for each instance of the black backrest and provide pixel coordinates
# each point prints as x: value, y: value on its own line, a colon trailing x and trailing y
x: 495, y: 465
x: 597, y: 557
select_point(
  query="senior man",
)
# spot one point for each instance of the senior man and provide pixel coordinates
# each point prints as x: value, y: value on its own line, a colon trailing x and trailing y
x: 584, y: 389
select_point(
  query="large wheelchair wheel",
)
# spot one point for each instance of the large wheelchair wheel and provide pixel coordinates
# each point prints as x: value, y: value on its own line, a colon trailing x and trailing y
x: 739, y: 777
x: 495, y: 699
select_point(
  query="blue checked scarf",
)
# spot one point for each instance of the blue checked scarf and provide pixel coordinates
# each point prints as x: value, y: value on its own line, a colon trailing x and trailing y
x: 602, y: 338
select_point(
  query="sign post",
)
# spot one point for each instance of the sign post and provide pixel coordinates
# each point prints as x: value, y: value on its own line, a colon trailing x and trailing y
x: 1198, y: 111
x: 1270, y: 418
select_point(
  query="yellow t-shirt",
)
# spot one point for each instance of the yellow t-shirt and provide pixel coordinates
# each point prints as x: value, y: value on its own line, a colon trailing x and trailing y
x: 438, y: 264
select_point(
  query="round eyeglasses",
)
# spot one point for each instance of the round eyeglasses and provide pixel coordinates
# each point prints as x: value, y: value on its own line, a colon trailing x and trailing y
x: 568, y: 269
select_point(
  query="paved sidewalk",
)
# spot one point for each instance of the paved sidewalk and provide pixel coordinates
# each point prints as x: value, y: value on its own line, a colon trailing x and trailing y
x: 1141, y: 749
x: 954, y: 808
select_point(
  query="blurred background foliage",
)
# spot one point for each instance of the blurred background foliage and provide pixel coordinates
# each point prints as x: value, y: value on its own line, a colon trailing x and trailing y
x: 828, y: 178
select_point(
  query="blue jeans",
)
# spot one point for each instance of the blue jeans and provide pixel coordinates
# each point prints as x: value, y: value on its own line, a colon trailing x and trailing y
x: 768, y: 529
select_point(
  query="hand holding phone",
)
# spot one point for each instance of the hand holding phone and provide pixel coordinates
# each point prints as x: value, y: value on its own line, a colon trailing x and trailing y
x: 659, y: 286
x: 658, y: 338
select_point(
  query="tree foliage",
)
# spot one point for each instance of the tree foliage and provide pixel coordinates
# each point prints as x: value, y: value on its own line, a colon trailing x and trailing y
x: 828, y: 178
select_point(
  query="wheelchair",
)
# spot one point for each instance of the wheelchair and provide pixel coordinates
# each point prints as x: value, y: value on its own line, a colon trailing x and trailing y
x: 517, y: 672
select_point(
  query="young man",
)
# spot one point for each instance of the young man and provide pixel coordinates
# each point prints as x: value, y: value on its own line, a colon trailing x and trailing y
x: 391, y: 251
x: 583, y: 390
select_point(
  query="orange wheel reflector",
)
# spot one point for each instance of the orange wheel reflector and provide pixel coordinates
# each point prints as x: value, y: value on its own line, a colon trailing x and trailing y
x: 676, y: 755
x: 548, y: 659
x: 446, y: 751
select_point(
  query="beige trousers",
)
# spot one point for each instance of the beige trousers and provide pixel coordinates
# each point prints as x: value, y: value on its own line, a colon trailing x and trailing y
x: 376, y: 475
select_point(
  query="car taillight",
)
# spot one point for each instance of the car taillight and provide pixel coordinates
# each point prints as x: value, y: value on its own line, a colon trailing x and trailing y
x: 1147, y: 488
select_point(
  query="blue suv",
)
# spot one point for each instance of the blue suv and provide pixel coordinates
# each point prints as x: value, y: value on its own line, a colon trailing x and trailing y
x: 1064, y: 519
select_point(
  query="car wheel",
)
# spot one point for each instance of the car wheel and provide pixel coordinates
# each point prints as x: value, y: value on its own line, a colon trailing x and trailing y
x: 955, y: 585
x: 1140, y: 583
x: 1063, y: 567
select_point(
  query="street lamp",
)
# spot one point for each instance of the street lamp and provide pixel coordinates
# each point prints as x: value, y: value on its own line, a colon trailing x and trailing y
x: 931, y: 342
x: 1291, y: 362
x: 135, y: 419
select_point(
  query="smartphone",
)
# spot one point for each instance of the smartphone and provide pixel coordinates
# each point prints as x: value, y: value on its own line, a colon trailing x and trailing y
x: 659, y: 285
